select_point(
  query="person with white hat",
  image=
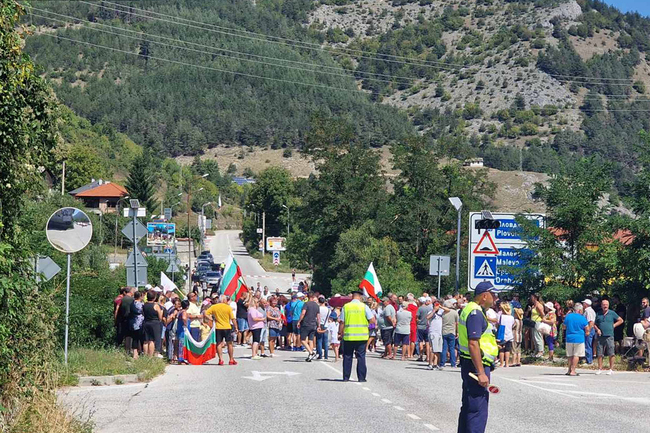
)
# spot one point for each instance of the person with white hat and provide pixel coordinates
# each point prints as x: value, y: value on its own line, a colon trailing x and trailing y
x: 590, y: 315
x: 550, y: 319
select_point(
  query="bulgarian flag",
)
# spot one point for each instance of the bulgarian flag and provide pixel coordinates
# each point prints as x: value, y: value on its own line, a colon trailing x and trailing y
x: 231, y: 276
x: 199, y: 352
x: 370, y: 283
x: 240, y: 290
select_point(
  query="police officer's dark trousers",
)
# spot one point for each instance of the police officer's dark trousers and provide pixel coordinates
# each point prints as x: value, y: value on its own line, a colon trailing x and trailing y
x: 357, y: 348
x: 474, y: 411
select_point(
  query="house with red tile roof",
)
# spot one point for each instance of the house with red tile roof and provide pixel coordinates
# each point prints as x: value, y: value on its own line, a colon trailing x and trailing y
x: 100, y: 195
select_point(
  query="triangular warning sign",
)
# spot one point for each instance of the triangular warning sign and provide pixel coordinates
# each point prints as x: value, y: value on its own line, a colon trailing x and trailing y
x: 486, y: 245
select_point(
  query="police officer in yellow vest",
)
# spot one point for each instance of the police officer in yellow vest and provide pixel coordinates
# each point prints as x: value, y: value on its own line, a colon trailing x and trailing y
x: 478, y: 351
x: 353, y: 333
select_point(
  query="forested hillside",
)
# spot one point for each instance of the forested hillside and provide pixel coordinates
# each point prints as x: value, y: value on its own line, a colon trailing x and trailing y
x: 182, y: 88
x: 525, y: 84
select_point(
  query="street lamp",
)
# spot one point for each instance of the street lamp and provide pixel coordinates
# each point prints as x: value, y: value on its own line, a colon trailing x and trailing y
x: 134, y: 204
x: 288, y: 217
x: 458, y: 205
x: 189, y: 236
x: 203, y: 224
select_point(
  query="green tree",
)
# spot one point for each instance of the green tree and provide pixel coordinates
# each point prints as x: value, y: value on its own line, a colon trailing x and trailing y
x: 141, y: 182
x: 574, y: 254
x: 82, y: 165
x: 358, y: 247
x: 272, y: 190
x: 28, y: 136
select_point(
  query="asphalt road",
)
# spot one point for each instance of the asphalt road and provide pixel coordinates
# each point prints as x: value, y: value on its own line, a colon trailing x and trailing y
x: 226, y: 241
x: 286, y: 394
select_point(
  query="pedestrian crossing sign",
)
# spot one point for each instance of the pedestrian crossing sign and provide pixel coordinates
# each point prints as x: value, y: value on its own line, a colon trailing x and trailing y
x: 485, y: 268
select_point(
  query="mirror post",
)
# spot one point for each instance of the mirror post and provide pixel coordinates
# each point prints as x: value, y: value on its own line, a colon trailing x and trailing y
x: 67, y: 311
x: 135, y: 248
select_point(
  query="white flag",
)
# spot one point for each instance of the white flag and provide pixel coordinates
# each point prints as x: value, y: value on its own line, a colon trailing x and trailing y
x: 167, y: 284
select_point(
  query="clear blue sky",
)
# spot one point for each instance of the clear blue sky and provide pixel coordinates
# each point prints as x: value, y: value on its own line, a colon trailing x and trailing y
x: 640, y: 6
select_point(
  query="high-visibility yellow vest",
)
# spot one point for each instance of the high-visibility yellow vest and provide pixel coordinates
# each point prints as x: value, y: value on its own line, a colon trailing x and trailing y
x: 356, y: 324
x: 487, y: 342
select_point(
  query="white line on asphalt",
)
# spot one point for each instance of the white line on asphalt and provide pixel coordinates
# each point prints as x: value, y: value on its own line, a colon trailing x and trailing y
x: 523, y: 382
x: 412, y: 416
x: 385, y: 400
x: 431, y: 427
x: 376, y: 395
x: 366, y: 388
x: 552, y: 383
x: 398, y: 407
x: 332, y: 368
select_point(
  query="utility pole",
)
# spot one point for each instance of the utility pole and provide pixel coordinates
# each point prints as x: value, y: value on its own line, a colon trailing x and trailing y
x: 63, y: 180
x: 134, y: 212
x: 189, y: 242
x: 263, y: 233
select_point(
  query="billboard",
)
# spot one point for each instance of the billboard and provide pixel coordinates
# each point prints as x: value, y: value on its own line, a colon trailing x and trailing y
x: 275, y: 244
x: 161, y: 234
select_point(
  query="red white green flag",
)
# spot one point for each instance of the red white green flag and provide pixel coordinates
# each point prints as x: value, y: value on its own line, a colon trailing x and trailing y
x: 231, y: 275
x: 370, y: 284
x: 241, y: 289
x: 199, y: 352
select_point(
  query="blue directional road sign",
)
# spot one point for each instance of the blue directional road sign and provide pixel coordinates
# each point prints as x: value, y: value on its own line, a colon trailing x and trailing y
x: 495, y: 253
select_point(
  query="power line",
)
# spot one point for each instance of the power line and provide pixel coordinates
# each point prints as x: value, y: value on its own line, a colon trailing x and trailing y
x: 216, y: 54
x: 277, y: 38
x: 319, y: 47
x: 322, y: 86
x: 581, y: 79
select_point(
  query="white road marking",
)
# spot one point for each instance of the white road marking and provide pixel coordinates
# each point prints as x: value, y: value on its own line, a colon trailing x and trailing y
x: 573, y: 385
x: 376, y: 395
x: 385, y: 400
x: 366, y: 388
x: 260, y: 376
x: 412, y: 416
x: 398, y: 407
x: 523, y: 382
x: 332, y: 368
x: 431, y: 427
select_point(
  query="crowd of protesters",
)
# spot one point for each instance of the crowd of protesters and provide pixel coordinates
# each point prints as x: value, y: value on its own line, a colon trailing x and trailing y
x: 425, y: 329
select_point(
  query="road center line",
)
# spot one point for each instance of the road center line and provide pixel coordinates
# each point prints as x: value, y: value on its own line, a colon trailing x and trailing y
x: 431, y: 427
x: 376, y: 395
x: 385, y: 400
x: 366, y: 388
x: 412, y: 416
x: 398, y: 407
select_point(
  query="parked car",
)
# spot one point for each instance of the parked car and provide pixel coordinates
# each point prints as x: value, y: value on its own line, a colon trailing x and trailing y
x: 212, y: 278
x: 207, y: 256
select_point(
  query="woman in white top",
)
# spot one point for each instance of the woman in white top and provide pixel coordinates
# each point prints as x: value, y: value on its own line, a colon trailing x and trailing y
x: 508, y: 322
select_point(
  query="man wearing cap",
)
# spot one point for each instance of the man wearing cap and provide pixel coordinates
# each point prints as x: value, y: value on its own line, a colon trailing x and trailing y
x: 353, y: 332
x: 590, y: 315
x: 478, y: 351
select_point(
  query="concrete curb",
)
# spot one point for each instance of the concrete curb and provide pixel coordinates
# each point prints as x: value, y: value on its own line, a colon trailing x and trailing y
x: 118, y: 379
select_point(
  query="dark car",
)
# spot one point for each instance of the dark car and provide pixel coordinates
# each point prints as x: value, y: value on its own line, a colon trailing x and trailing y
x: 212, y: 278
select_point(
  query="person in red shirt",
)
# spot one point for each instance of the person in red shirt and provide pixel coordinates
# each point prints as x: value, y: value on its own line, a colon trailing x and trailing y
x: 120, y: 333
x: 413, y: 308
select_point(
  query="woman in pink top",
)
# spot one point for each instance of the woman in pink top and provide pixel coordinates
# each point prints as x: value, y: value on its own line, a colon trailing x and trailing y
x: 255, y: 325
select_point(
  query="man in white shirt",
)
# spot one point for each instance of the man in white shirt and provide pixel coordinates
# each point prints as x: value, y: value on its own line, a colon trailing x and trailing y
x: 590, y: 315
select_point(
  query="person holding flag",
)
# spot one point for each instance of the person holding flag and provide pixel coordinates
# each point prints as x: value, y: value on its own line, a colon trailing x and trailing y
x: 370, y: 284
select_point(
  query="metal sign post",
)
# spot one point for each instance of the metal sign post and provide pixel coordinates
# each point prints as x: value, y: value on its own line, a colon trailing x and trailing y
x: 439, y: 265
x: 68, y: 230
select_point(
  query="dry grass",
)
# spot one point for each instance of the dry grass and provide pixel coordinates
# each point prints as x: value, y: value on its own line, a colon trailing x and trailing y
x: 37, y: 411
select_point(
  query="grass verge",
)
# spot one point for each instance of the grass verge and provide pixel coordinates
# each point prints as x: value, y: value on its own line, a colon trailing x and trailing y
x: 107, y: 362
x: 267, y: 263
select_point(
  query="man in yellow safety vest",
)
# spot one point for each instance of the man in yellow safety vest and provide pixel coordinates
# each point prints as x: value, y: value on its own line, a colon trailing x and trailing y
x: 353, y: 333
x: 478, y: 351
